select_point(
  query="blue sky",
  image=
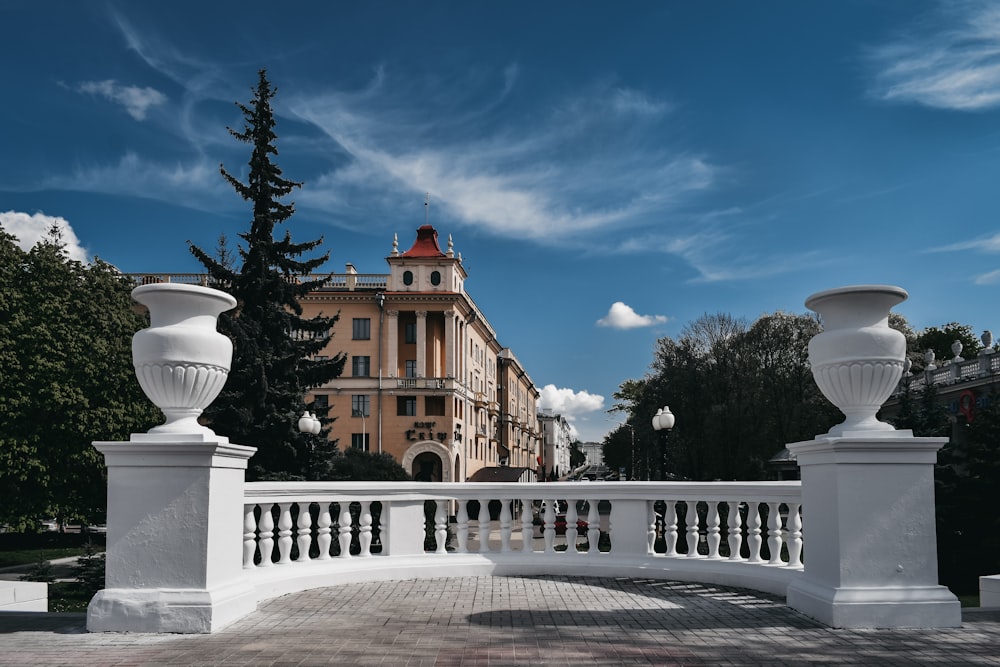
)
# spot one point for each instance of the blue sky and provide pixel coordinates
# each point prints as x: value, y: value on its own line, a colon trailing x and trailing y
x: 609, y: 172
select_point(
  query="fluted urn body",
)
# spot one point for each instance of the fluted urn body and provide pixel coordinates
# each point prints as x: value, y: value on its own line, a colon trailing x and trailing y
x: 857, y: 360
x: 181, y: 360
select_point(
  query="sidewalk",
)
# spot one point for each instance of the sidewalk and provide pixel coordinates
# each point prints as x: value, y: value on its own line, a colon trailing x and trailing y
x: 507, y: 621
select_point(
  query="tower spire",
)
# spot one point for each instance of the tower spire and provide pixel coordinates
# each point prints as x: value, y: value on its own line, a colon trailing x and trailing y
x: 427, y: 208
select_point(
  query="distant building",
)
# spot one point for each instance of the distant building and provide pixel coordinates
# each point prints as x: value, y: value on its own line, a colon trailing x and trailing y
x: 556, y: 441
x: 594, y: 451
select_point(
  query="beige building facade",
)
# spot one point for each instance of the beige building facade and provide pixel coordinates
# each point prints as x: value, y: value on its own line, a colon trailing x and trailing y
x: 426, y: 379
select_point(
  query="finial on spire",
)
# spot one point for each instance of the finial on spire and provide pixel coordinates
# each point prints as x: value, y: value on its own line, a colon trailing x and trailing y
x: 395, y: 245
x: 427, y: 208
x: 451, y: 247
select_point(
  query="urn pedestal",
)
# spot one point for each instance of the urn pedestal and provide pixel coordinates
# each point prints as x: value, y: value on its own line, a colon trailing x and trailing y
x: 867, y: 489
x: 175, y: 494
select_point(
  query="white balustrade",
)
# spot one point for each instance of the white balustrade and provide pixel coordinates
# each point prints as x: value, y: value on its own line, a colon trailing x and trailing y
x: 756, y: 526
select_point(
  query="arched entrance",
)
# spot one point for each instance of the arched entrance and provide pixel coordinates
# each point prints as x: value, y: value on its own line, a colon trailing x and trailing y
x: 428, y: 461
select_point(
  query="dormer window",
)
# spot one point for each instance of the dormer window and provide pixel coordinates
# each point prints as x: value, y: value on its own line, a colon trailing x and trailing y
x: 435, y: 278
x: 407, y: 277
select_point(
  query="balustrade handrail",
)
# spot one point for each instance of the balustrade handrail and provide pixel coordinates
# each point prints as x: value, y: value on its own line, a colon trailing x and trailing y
x: 272, y: 492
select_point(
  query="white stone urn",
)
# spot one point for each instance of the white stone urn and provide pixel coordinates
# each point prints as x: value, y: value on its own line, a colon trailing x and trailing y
x: 181, y: 360
x: 857, y: 360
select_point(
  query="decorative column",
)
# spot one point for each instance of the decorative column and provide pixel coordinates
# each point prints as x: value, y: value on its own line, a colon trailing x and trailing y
x: 421, y: 343
x: 393, y: 342
x: 450, y: 350
x: 867, y: 489
x: 175, y: 494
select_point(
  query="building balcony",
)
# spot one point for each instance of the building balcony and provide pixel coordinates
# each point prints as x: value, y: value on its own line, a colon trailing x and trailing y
x: 426, y: 383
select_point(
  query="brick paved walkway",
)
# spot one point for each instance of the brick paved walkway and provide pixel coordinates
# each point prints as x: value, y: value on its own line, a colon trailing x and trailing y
x: 509, y: 621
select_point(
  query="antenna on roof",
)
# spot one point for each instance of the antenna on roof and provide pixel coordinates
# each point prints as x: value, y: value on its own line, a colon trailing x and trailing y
x: 427, y: 207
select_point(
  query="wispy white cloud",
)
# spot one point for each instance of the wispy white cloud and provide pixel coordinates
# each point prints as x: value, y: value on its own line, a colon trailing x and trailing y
x: 951, y: 60
x: 136, y: 100
x: 989, y: 244
x: 552, y: 183
x: 622, y: 316
x: 32, y: 228
x: 196, y: 184
x: 990, y: 278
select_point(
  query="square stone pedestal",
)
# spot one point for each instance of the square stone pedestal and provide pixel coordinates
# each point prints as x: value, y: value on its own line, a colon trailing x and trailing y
x: 175, y: 535
x: 869, y: 532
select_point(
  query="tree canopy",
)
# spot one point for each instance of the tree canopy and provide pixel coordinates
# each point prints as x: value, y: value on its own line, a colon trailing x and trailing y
x: 66, y: 380
x: 739, y: 392
x: 274, y: 360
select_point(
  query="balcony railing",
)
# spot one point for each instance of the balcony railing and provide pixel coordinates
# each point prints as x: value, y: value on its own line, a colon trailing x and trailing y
x: 298, y: 535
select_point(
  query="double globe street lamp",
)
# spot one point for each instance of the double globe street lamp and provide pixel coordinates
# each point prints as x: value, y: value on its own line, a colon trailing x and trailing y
x: 663, y: 421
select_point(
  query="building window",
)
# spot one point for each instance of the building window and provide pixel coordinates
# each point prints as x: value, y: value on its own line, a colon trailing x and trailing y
x: 434, y: 406
x: 410, y: 368
x: 435, y: 277
x: 410, y: 332
x: 406, y: 406
x: 362, y: 328
x: 361, y: 441
x: 361, y: 366
x: 407, y: 277
x: 321, y: 401
x: 360, y: 405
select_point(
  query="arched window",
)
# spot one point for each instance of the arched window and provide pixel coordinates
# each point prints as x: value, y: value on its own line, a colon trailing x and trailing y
x: 435, y: 278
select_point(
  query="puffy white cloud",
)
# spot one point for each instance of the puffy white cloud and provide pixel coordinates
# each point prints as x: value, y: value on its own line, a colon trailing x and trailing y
x: 30, y: 229
x: 136, y: 100
x: 622, y: 316
x: 568, y: 403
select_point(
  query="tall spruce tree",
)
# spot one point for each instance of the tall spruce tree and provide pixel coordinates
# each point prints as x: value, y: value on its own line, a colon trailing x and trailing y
x: 273, y: 344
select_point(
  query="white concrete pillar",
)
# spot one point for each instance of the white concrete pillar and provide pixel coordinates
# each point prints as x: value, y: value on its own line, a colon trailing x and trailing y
x: 393, y: 342
x: 869, y: 531
x: 450, y: 350
x: 421, y: 343
x: 175, y: 535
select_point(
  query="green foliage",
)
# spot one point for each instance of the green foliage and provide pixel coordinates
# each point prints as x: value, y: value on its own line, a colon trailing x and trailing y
x: 66, y: 380
x: 739, y: 391
x: 576, y: 456
x: 967, y: 490
x: 40, y: 571
x: 273, y: 344
x: 89, y: 571
x: 940, y: 340
x: 357, y: 465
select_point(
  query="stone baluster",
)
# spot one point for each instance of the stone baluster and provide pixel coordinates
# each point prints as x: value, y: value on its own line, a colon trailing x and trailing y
x: 462, y: 526
x: 441, y: 526
x: 774, y: 534
x: 650, y: 527
x: 285, y: 534
x: 753, y: 531
x: 505, y: 525
x: 712, y: 524
x: 691, y: 525
x: 365, y: 528
x: 304, y: 534
x: 572, y: 532
x: 249, y: 536
x: 323, y: 537
x: 549, y: 532
x: 593, y: 527
x: 484, y: 525
x: 794, y: 535
x: 344, y: 529
x: 670, y: 527
x: 527, y: 527
x: 735, y: 536
x: 266, y: 535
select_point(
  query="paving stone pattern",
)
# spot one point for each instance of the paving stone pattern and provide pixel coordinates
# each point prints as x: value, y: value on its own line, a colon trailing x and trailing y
x: 494, y: 621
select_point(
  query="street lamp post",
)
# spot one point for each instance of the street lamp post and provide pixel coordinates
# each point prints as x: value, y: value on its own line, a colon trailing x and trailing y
x: 663, y: 421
